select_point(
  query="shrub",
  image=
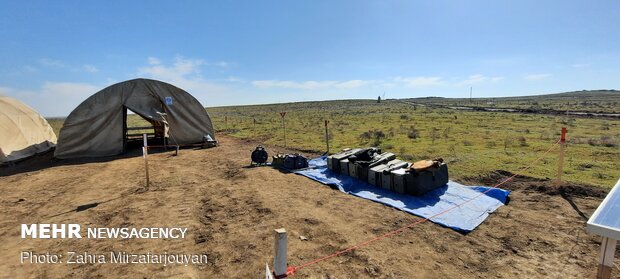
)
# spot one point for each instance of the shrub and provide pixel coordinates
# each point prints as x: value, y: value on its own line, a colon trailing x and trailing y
x: 413, y: 133
x: 599, y: 175
x: 523, y: 142
x: 605, y: 126
x: 446, y: 133
x: 607, y: 141
x: 508, y: 142
x: 387, y: 146
x: 376, y: 135
x: 434, y: 134
x: 407, y: 157
x: 452, y: 150
x: 467, y: 143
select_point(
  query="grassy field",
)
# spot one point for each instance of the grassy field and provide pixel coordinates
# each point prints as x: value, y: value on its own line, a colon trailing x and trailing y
x: 473, y: 143
x: 594, y: 101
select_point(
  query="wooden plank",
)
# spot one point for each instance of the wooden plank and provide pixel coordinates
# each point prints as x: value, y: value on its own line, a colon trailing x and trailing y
x: 140, y: 128
x: 140, y: 135
x: 606, y: 258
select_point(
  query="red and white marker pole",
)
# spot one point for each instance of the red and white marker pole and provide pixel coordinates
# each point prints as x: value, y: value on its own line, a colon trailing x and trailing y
x: 561, y: 157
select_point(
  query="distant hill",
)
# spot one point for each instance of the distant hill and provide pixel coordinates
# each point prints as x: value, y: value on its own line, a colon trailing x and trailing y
x: 593, y: 101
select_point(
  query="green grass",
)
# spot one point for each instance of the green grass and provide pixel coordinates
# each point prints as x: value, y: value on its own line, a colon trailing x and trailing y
x: 473, y: 143
x: 595, y: 101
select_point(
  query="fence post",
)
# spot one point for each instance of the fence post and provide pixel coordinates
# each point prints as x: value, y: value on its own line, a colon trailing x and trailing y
x: 561, y: 157
x: 279, y: 260
x: 145, y: 154
x: 283, y: 127
x: 606, y: 258
x: 327, y: 135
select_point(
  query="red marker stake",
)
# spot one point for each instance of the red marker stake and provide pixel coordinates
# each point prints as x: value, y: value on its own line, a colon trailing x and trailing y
x: 561, y: 157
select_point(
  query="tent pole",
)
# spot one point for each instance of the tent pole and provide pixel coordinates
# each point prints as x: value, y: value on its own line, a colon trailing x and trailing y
x: 124, y: 129
x: 145, y: 154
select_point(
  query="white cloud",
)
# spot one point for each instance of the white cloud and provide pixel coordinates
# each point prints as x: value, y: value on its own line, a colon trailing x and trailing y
x: 311, y: 84
x: 178, y: 71
x: 61, y: 89
x: 473, y: 79
x: 186, y: 74
x: 89, y: 68
x: 413, y: 82
x: 153, y: 61
x: 536, y: 76
x: 222, y: 64
x: 53, y: 98
x: 51, y: 63
x: 235, y: 79
x: 416, y: 82
x: 306, y: 85
x: 30, y: 69
x: 356, y: 83
x: 479, y: 78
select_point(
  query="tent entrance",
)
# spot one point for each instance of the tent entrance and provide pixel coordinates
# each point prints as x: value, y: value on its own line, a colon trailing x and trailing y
x: 134, y: 128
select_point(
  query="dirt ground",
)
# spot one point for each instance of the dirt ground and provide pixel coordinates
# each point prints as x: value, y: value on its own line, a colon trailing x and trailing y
x: 231, y: 211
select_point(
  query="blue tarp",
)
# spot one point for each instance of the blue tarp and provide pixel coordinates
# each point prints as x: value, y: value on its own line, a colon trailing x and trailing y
x: 465, y: 217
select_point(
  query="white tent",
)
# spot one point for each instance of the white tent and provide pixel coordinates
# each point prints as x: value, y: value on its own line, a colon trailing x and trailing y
x: 23, y: 131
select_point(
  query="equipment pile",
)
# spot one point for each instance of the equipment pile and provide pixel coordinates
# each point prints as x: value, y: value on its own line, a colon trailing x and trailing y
x: 290, y: 161
x: 286, y: 161
x: 385, y: 171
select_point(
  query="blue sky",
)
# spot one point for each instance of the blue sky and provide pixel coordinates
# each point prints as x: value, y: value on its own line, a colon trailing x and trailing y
x: 56, y: 53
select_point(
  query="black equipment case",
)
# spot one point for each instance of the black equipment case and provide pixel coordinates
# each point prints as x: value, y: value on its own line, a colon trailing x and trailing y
x: 333, y: 161
x: 295, y: 161
x: 374, y: 175
x: 360, y: 169
x: 419, y: 182
x: 386, y: 173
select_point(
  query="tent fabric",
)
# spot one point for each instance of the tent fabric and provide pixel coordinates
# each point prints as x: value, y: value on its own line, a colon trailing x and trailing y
x: 96, y: 127
x: 23, y: 131
x: 463, y: 218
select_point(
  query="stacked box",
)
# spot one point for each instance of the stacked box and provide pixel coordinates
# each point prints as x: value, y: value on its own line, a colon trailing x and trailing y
x: 333, y: 161
x: 382, y: 158
x: 399, y: 183
x: 386, y: 180
x: 386, y: 177
x: 344, y: 166
x: 420, y: 182
x: 352, y: 168
x: 360, y: 170
x: 374, y: 175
